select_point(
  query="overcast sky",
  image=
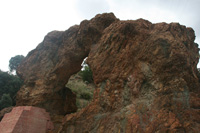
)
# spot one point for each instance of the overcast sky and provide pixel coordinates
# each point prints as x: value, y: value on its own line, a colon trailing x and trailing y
x: 24, y: 23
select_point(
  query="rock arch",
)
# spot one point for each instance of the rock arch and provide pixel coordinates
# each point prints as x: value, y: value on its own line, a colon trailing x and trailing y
x: 47, y: 68
x: 145, y: 73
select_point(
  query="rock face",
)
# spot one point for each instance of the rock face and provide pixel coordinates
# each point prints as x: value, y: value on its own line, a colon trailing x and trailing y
x: 145, y: 75
x: 4, y: 111
x: 47, y: 68
x: 26, y: 119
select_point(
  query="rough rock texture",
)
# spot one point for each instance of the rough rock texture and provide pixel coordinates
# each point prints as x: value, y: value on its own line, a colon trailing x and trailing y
x: 26, y: 119
x: 4, y: 111
x: 145, y: 73
x: 47, y: 68
x: 146, y: 78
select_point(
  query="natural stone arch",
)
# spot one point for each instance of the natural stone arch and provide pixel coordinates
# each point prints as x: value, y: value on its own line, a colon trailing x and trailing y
x: 145, y: 73
x: 146, y: 79
x: 46, y: 69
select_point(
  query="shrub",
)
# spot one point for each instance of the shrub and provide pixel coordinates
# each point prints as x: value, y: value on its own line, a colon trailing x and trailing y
x: 5, y: 101
x: 86, y: 95
x: 86, y: 74
x: 80, y: 89
x: 9, y: 84
x: 14, y: 62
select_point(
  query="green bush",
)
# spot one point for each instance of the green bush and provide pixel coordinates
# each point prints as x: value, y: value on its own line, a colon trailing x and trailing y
x: 80, y: 89
x: 9, y: 84
x: 84, y: 94
x: 14, y: 62
x: 5, y: 101
x: 86, y: 74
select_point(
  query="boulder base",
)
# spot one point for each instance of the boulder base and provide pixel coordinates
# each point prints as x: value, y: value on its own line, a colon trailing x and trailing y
x: 26, y: 119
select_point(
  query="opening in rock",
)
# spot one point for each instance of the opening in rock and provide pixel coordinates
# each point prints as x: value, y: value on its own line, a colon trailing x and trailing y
x: 82, y: 85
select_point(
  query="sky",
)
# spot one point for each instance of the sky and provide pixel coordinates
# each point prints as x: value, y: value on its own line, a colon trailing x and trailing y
x: 24, y: 23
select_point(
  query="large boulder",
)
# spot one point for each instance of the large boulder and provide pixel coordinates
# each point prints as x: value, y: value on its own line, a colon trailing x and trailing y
x: 26, y: 119
x: 46, y: 69
x: 4, y: 111
x: 145, y: 75
x: 147, y: 81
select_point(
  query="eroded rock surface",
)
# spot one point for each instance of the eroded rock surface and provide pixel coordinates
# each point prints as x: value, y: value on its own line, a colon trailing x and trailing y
x: 4, y: 111
x: 146, y: 78
x: 145, y: 73
x: 26, y: 119
x: 47, y: 68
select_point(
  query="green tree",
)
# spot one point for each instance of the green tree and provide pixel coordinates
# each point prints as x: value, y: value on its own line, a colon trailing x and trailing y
x: 9, y: 84
x: 86, y: 74
x: 14, y: 62
x: 5, y: 101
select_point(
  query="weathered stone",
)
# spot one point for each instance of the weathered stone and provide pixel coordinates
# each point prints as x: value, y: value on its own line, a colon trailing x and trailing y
x: 152, y: 67
x: 145, y: 73
x: 47, y: 68
x: 26, y: 119
x: 4, y: 111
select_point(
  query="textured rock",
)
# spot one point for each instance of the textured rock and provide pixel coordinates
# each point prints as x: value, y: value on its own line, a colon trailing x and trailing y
x: 145, y: 73
x: 26, y: 119
x: 4, y: 111
x: 47, y: 68
x: 146, y: 78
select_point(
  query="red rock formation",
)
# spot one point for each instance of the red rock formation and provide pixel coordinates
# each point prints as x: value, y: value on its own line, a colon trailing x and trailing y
x: 26, y: 119
x: 145, y: 73
x: 47, y: 68
x: 4, y: 111
x: 146, y: 78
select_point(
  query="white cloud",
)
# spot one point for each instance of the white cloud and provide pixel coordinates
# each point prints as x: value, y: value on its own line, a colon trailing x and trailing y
x: 89, y: 8
x: 25, y: 23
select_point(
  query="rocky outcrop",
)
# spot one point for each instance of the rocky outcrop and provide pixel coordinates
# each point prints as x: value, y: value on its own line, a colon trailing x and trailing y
x: 146, y: 78
x: 26, y: 119
x: 4, y: 111
x: 145, y: 75
x: 47, y: 68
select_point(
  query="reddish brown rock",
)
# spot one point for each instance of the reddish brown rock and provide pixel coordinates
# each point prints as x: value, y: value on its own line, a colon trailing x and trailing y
x: 146, y: 78
x: 145, y: 73
x: 4, y: 111
x: 26, y: 119
x: 47, y: 68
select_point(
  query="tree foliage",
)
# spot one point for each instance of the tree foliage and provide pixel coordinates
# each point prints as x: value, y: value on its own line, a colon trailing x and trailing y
x: 9, y: 85
x: 14, y: 62
x: 5, y: 101
x: 86, y: 74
